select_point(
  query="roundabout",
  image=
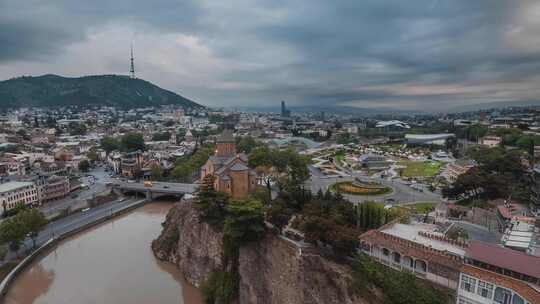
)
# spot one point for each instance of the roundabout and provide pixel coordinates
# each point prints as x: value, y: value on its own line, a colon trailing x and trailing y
x: 360, y: 188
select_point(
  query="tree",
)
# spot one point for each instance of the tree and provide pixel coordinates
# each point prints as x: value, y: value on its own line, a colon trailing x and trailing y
x: 131, y: 142
x: 245, y: 221
x: 13, y: 232
x: 161, y: 136
x: 92, y: 155
x: 499, y: 174
x: 279, y: 213
x: 76, y: 128
x: 109, y: 144
x: 33, y: 221
x: 211, y: 203
x: 156, y: 172
x: 182, y: 172
x: 246, y: 144
x: 84, y: 165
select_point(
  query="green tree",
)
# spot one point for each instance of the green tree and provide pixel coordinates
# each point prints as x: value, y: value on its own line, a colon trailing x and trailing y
x: 156, y: 172
x: 92, y: 155
x: 246, y: 144
x: 211, y: 203
x: 76, y: 128
x: 397, y: 287
x: 182, y: 172
x: 245, y: 220
x: 33, y: 222
x: 110, y: 144
x: 12, y: 231
x: 161, y: 136
x: 84, y: 165
x: 131, y: 142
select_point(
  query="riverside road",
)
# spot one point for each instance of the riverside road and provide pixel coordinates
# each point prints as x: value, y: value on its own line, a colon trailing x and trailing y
x: 80, y: 219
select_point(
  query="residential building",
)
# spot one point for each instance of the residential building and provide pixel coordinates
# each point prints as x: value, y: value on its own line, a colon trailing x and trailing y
x: 56, y: 187
x: 453, y: 170
x: 491, y: 141
x: 14, y: 193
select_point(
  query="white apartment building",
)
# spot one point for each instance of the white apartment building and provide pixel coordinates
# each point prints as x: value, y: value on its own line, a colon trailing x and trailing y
x: 14, y: 193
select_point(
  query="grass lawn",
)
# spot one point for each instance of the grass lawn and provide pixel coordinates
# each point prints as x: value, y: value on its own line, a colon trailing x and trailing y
x: 421, y: 208
x: 420, y: 168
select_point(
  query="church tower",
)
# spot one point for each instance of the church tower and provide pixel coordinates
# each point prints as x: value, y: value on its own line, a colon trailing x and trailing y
x: 225, y: 144
x: 172, y: 139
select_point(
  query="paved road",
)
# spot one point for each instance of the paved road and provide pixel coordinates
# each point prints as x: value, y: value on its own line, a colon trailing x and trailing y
x: 79, y: 219
x: 160, y: 187
x: 401, y: 193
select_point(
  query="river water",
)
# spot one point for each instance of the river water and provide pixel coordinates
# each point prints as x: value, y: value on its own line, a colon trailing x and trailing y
x: 111, y: 263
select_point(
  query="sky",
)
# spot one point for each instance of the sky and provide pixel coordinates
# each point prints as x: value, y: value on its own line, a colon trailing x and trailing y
x: 391, y: 54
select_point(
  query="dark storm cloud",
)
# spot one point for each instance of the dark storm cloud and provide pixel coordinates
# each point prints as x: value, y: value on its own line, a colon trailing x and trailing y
x: 428, y: 54
x: 34, y: 29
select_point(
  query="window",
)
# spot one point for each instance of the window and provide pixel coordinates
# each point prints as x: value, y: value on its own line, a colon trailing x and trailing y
x: 468, y: 283
x: 485, y: 289
x: 502, y: 296
x: 517, y: 299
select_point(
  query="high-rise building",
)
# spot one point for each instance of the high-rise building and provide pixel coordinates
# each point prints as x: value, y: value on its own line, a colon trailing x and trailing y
x: 284, y: 111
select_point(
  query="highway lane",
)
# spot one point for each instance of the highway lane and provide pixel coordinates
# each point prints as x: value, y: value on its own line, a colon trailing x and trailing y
x: 80, y: 219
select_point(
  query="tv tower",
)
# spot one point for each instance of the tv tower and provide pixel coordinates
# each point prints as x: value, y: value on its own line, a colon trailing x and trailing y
x: 132, y: 69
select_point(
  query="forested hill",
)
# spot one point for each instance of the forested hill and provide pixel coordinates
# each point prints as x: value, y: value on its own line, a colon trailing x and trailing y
x: 111, y: 90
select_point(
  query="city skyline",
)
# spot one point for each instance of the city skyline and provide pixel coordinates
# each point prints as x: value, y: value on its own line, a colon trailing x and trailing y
x: 433, y: 55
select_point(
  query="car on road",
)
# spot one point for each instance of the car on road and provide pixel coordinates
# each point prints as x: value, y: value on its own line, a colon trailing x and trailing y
x: 122, y: 199
x: 166, y: 187
x: 85, y: 209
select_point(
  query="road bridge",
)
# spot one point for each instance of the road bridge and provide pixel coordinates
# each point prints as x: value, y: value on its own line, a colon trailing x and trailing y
x: 157, y: 189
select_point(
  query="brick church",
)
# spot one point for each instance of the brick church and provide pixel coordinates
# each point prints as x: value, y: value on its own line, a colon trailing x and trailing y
x: 230, y: 168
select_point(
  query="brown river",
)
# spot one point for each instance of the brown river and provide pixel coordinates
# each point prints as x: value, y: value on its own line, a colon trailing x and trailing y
x: 111, y: 263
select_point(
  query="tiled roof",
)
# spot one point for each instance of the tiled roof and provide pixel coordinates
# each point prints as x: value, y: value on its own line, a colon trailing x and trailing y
x: 409, y: 248
x: 523, y: 289
x: 239, y: 167
x: 504, y: 258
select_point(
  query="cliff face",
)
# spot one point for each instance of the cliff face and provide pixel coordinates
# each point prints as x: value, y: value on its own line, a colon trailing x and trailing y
x: 273, y: 271
x: 194, y: 247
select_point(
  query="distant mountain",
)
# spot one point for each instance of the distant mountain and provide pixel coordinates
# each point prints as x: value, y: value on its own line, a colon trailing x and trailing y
x: 109, y: 90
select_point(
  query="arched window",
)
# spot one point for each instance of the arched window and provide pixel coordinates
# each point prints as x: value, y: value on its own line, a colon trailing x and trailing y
x: 517, y: 299
x: 420, y: 266
x: 396, y: 257
x: 502, y: 296
x: 408, y: 262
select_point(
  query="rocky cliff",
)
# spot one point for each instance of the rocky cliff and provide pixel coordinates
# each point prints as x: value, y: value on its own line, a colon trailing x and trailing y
x: 273, y: 271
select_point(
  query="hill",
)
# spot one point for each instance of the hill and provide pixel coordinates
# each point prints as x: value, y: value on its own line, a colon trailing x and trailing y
x: 110, y: 90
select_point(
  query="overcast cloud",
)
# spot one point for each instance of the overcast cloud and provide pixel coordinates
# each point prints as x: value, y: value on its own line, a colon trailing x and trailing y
x: 421, y: 54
